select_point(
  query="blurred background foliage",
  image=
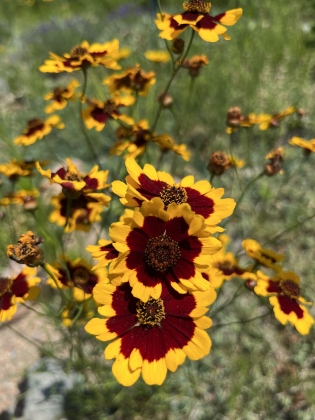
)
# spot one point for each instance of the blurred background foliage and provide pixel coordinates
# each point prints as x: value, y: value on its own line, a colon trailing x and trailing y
x: 259, y: 370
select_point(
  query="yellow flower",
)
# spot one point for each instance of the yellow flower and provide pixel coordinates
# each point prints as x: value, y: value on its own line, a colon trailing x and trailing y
x: 60, y: 97
x: 98, y: 112
x: 144, y: 184
x: 284, y: 292
x: 85, y: 55
x: 263, y: 256
x: 14, y: 169
x: 37, y: 129
x: 157, y: 56
x: 152, y: 337
x: 307, y: 145
x: 23, y: 197
x: 197, y: 16
x: 131, y: 80
x: 267, y: 121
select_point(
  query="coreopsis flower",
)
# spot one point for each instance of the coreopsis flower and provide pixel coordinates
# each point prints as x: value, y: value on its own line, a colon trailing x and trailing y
x: 85, y: 55
x: 60, y: 97
x: 17, y: 289
x: 308, y: 146
x: 144, y: 184
x: 235, y: 119
x: 98, y: 112
x: 275, y: 162
x: 36, y: 129
x: 194, y: 64
x: 284, y: 291
x: 16, y: 168
x: 131, y: 80
x: 267, y: 121
x: 151, y: 337
x: 26, y: 198
x: 197, y: 16
x: 224, y: 266
x: 157, y: 56
x: 134, y: 140
x: 27, y: 250
x: 161, y: 246
x: 84, y: 211
x: 76, y: 275
x: 73, y: 182
x: 261, y: 255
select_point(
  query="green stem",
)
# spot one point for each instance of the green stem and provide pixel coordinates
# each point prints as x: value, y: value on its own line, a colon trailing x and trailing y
x: 44, y: 267
x: 174, y: 73
x: 184, y: 119
x: 32, y: 309
x: 211, y: 177
x: 87, y: 139
x: 236, y: 294
x: 69, y: 202
x: 220, y: 325
x: 232, y: 159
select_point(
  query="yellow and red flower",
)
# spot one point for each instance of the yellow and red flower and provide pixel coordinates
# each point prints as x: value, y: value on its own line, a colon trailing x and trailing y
x: 104, y: 252
x: 267, y: 121
x: 261, y: 255
x: 144, y: 184
x: 85, y: 210
x: 197, y: 16
x: 161, y: 246
x: 60, y: 97
x: 151, y: 337
x: 130, y: 81
x: 73, y: 182
x: 224, y: 266
x: 26, y: 198
x: 85, y: 55
x: 284, y: 292
x: 17, y: 289
x: 78, y: 275
x: 134, y: 141
x: 16, y: 168
x: 36, y: 129
x: 98, y: 112
x: 307, y: 145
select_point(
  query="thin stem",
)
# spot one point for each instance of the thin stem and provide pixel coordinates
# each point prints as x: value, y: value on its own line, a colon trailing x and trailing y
x: 87, y: 139
x: 69, y: 202
x: 174, y: 73
x: 222, y: 324
x: 236, y: 294
x: 288, y: 229
x: 44, y: 267
x: 184, y: 119
x: 33, y: 309
x: 211, y: 177
x: 232, y: 159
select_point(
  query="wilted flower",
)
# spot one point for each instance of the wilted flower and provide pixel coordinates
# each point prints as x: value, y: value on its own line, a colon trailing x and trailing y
x: 275, y: 162
x: 27, y: 252
x: 194, y: 64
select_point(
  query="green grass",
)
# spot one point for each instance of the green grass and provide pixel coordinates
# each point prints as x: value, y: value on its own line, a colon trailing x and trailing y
x: 257, y: 370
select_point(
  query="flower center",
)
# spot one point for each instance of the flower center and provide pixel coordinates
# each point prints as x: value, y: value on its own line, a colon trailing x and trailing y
x: 162, y: 253
x: 81, y: 276
x: 198, y: 6
x: 5, y: 286
x: 35, y: 123
x: 78, y: 51
x: 109, y: 107
x: 225, y: 266
x: 71, y: 176
x: 290, y: 288
x: 220, y: 159
x: 173, y: 194
x: 150, y: 312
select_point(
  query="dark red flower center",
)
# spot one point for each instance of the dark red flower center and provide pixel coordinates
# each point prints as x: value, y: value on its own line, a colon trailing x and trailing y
x: 109, y: 107
x: 198, y: 6
x: 290, y: 288
x: 150, y: 312
x: 78, y: 51
x: 81, y: 276
x: 71, y: 176
x: 172, y: 194
x: 35, y: 123
x: 162, y: 253
x: 5, y: 286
